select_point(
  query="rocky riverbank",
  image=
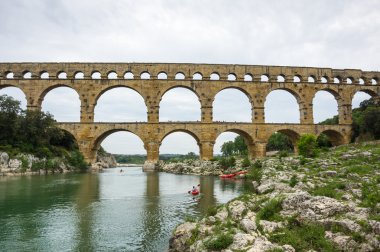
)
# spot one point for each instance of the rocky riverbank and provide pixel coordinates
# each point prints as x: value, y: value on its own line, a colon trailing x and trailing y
x: 104, y: 160
x: 27, y: 164
x: 198, y: 167
x: 330, y: 203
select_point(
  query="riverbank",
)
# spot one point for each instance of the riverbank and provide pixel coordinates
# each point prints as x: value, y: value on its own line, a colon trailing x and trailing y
x: 199, y: 167
x: 27, y: 164
x: 329, y: 203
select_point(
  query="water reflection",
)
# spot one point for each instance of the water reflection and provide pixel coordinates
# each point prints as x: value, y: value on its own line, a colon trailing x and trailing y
x: 207, y: 198
x: 88, y: 193
x: 129, y: 211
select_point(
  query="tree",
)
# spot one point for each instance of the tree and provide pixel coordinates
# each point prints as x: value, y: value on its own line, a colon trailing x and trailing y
x: 240, y: 147
x: 279, y: 142
x: 227, y: 148
x: 307, y: 145
x: 371, y: 122
x: 9, y: 114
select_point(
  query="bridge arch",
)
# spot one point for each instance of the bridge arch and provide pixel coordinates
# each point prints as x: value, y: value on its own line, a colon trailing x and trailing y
x: 16, y: 93
x: 219, y: 105
x: 187, y: 131
x: 187, y: 104
x: 44, y: 92
x: 288, y: 107
x: 62, y: 108
x: 335, y: 137
x: 190, y: 137
x: 322, y: 98
x: 244, y: 134
x: 359, y: 95
x: 103, y: 135
x: 133, y: 95
x: 293, y: 135
x: 363, y: 89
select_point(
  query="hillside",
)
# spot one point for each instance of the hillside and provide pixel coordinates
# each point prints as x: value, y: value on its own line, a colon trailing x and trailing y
x: 328, y: 203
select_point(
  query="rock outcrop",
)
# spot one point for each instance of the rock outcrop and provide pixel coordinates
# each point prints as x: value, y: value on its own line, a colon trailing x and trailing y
x: 331, y: 203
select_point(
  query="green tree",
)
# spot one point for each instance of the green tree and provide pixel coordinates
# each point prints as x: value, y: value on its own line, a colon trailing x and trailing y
x: 9, y: 118
x: 227, y: 148
x: 331, y: 121
x: 240, y: 148
x: 279, y: 142
x: 307, y: 145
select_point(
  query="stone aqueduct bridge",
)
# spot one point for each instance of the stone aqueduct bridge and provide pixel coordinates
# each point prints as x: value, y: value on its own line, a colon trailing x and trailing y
x: 91, y: 80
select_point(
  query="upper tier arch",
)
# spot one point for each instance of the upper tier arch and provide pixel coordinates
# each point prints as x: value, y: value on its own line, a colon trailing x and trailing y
x: 287, y: 72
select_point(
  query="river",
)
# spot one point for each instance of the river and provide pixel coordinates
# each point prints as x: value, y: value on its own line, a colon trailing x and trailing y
x: 108, y: 211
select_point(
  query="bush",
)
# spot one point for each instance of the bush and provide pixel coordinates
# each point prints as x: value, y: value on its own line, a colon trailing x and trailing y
x: 330, y: 190
x: 211, y: 211
x: 255, y: 174
x: 293, y: 181
x: 227, y: 162
x: 303, y: 237
x: 76, y: 160
x: 270, y: 211
x: 246, y: 162
x: 38, y: 165
x: 307, y: 145
x: 220, y: 242
x: 370, y: 194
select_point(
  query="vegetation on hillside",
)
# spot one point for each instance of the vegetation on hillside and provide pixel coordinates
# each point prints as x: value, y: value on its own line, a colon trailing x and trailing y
x: 365, y: 120
x: 36, y: 133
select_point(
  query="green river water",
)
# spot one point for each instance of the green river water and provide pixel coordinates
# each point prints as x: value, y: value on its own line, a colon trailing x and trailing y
x: 108, y: 211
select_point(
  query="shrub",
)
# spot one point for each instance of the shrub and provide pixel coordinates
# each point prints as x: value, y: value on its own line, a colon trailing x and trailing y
x: 330, y: 190
x: 221, y: 241
x: 255, y: 174
x: 303, y: 237
x: 370, y: 194
x: 307, y: 145
x: 50, y: 164
x: 194, y: 236
x: 270, y: 210
x: 282, y: 154
x: 76, y: 160
x: 293, y: 181
x: 38, y: 165
x: 246, y: 162
x: 211, y: 211
x: 227, y: 162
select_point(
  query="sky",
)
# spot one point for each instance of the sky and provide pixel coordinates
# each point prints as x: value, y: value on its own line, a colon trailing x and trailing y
x: 340, y: 34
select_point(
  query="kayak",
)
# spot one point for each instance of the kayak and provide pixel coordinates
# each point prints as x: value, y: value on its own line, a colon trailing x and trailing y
x: 231, y: 175
x: 195, y: 192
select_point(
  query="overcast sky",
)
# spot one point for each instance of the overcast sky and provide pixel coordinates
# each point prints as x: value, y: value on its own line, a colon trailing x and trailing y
x: 337, y: 34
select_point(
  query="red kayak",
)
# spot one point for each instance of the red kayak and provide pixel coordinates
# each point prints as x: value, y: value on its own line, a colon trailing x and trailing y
x: 195, y: 192
x: 231, y: 175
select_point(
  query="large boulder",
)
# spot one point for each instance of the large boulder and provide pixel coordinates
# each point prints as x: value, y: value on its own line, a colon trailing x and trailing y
x: 312, y: 208
x: 241, y: 241
x: 14, y: 164
x: 237, y: 209
x: 4, y: 159
x: 181, y: 234
x: 248, y: 225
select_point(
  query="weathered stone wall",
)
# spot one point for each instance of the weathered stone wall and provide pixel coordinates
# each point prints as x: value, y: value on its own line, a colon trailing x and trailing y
x: 152, y: 81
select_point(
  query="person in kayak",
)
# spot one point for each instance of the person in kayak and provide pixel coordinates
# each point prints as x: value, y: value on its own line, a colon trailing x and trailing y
x: 195, y: 190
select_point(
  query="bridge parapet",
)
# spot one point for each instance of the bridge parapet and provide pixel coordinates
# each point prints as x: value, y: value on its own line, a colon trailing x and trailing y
x: 171, y: 70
